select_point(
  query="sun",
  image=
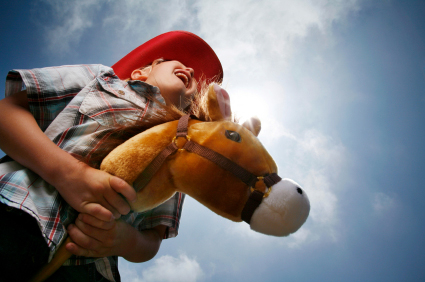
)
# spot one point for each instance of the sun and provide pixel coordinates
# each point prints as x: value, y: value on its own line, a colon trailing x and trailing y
x: 247, y: 104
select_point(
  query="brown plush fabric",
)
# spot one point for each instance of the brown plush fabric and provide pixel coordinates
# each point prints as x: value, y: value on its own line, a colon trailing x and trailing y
x: 186, y: 172
x: 189, y: 173
x: 130, y: 158
x: 217, y: 189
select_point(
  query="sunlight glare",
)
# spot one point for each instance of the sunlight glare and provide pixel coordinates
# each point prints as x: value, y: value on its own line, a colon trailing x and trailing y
x: 246, y: 105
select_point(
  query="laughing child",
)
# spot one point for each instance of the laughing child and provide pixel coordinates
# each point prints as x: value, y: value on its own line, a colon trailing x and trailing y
x: 53, y: 128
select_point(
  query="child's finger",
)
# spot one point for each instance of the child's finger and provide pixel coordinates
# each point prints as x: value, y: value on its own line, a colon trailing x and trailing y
x: 82, y: 245
x: 76, y: 250
x: 93, y: 221
x: 116, y: 201
x: 105, y: 204
x: 92, y: 238
x: 123, y: 188
x: 100, y: 212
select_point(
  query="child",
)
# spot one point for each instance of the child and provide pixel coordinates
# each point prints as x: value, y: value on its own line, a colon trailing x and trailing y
x: 79, y: 108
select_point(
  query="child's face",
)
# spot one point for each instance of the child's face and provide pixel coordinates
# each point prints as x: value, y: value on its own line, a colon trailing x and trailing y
x: 174, y: 80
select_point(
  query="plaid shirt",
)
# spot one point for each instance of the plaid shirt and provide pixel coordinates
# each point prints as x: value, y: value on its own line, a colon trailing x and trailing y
x: 78, y: 107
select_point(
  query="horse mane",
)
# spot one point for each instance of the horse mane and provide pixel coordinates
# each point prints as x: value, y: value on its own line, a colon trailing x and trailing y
x: 165, y: 113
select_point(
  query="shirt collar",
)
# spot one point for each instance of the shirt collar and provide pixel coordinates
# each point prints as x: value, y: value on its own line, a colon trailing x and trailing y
x: 146, y: 90
x: 111, y: 83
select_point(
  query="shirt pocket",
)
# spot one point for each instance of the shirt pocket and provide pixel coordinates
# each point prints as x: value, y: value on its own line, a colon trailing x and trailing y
x: 109, y: 109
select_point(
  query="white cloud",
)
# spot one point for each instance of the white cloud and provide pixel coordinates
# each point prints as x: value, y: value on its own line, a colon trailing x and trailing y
x: 126, y: 24
x: 382, y: 202
x: 67, y: 23
x: 316, y: 161
x: 298, y: 239
x: 168, y: 268
x: 135, y: 18
x: 261, y: 30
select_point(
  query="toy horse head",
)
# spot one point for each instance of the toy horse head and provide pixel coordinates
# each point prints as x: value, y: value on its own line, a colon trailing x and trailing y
x: 242, y: 185
x: 219, y: 163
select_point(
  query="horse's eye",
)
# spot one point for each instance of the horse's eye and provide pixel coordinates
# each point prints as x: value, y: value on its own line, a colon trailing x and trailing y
x: 233, y: 135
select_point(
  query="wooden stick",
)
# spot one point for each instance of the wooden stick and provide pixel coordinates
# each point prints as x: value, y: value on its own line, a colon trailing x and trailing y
x: 60, y: 257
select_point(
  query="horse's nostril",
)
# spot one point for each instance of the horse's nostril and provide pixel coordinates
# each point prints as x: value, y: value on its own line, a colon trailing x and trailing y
x: 299, y: 190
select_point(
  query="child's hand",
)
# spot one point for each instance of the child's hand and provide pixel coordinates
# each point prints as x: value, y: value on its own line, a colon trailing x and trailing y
x: 96, y: 192
x: 96, y: 238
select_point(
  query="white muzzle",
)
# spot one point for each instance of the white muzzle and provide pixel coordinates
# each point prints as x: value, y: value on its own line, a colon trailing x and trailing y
x: 283, y: 212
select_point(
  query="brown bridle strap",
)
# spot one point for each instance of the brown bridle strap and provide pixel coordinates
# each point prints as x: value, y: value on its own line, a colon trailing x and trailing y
x: 223, y: 162
x: 245, y: 176
x: 271, y: 179
x: 183, y: 125
x: 251, y: 205
x: 146, y: 175
x: 143, y: 179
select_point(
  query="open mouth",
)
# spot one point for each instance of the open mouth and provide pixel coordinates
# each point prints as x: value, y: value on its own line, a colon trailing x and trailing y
x: 184, y: 78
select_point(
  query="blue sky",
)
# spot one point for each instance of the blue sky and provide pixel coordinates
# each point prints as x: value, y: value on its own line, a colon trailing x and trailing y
x: 340, y: 89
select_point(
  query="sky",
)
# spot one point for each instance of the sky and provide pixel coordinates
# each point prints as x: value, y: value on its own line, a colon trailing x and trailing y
x: 339, y: 86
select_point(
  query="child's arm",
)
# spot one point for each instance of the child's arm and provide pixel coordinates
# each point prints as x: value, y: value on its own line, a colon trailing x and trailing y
x: 86, y: 189
x: 95, y: 238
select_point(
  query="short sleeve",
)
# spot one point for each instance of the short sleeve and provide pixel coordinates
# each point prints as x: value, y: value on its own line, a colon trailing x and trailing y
x: 168, y: 214
x: 50, y: 89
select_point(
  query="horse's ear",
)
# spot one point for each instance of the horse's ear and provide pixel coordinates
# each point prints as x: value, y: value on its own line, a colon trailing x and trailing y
x: 218, y: 103
x: 253, y: 125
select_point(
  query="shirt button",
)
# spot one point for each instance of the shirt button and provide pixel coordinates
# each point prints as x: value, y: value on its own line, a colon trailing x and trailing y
x: 121, y: 92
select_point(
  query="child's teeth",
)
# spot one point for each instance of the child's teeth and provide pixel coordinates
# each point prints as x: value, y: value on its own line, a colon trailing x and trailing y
x: 186, y: 80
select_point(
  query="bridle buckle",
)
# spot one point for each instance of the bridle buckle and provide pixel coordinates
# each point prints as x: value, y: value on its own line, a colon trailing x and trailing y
x: 187, y: 137
x: 268, y: 189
